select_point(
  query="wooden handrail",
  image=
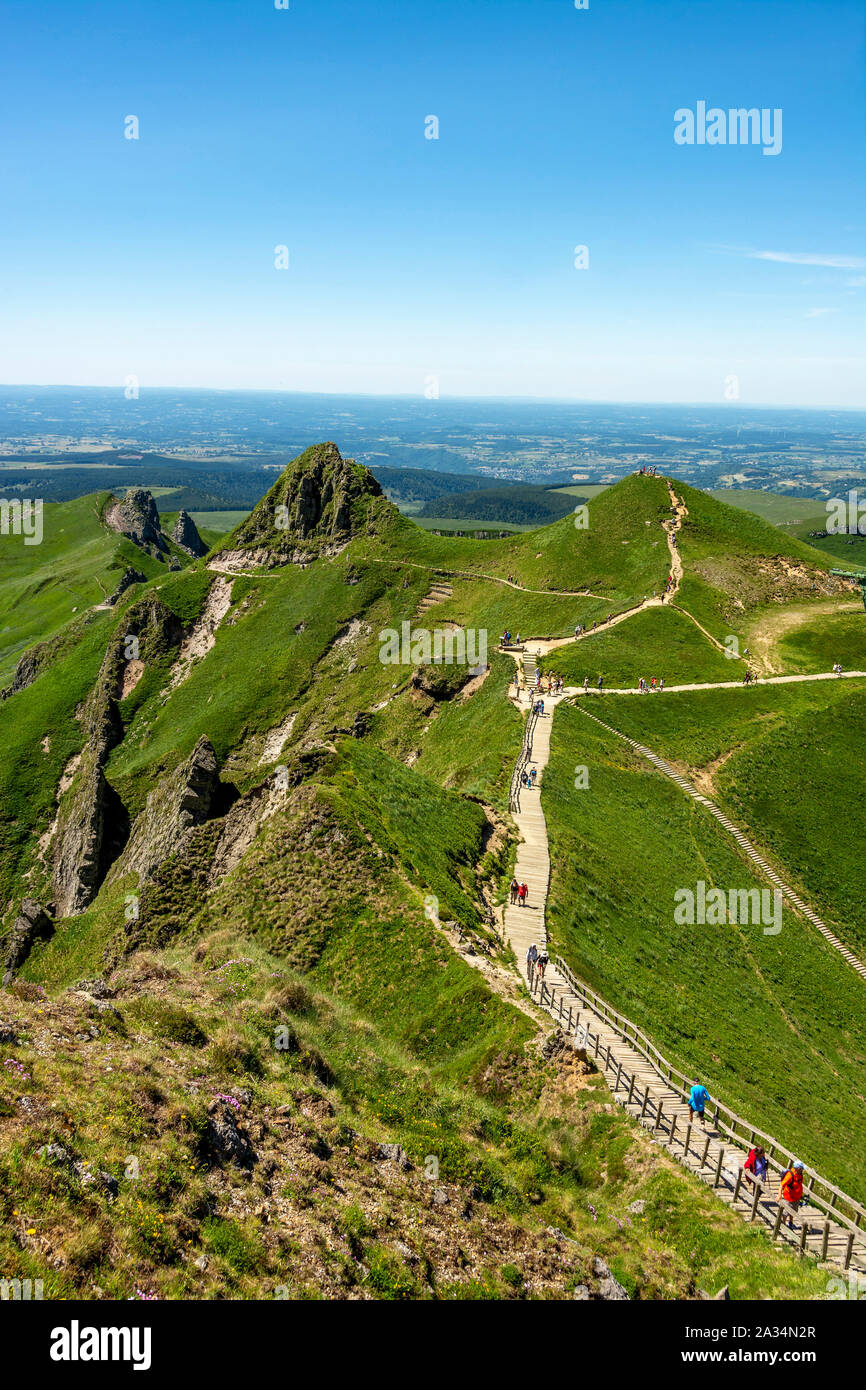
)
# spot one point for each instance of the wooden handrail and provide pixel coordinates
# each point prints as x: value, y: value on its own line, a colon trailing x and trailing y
x: 523, y: 759
x: 724, y: 1119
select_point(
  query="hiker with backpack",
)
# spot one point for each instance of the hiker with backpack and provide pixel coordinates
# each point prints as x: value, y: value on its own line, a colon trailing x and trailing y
x: 543, y: 962
x: 698, y: 1097
x: 791, y: 1192
x: 513, y: 891
x: 522, y: 894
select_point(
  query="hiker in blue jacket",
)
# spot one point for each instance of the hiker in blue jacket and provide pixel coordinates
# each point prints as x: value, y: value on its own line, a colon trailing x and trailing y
x: 698, y: 1097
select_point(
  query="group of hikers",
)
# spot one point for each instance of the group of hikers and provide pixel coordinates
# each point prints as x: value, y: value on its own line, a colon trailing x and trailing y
x: 654, y: 684
x: 756, y: 1168
x: 548, y: 684
x: 581, y: 628
x: 518, y: 893
x: 536, y: 963
x: 527, y: 779
x: 670, y: 584
x: 599, y: 684
x: 507, y: 640
x: 749, y: 678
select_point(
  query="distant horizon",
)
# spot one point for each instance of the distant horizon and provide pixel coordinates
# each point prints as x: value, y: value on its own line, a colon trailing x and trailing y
x: 732, y: 406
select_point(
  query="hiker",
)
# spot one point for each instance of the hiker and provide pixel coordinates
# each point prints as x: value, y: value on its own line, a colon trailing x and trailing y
x: 791, y: 1191
x: 531, y: 958
x: 585, y: 684
x: 698, y: 1097
x: 532, y: 777
x: 524, y: 778
x: 756, y: 1165
x: 662, y: 683
x: 600, y: 682
x: 513, y: 891
x: 523, y: 893
x: 543, y: 962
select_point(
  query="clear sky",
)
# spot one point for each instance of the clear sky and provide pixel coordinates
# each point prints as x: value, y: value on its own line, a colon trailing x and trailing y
x: 412, y: 258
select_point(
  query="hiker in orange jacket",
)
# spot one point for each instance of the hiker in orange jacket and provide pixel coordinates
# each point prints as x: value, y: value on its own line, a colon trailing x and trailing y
x: 791, y: 1190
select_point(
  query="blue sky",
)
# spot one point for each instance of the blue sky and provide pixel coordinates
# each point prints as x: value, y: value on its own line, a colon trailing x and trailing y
x: 452, y: 259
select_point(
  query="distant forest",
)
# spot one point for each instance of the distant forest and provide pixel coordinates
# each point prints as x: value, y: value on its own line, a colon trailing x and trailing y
x: 518, y: 504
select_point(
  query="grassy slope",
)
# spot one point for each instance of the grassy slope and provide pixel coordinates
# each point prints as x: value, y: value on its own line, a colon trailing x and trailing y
x: 735, y: 565
x: 620, y: 554
x: 774, y: 1024
x: 658, y: 642
x: 79, y: 563
x: 792, y: 748
x: 543, y: 1153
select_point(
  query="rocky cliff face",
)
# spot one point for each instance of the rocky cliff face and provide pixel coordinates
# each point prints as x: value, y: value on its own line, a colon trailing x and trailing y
x: 181, y: 802
x: 92, y: 824
x: 315, y: 508
x: 137, y: 518
x: 31, y: 923
x: 185, y: 534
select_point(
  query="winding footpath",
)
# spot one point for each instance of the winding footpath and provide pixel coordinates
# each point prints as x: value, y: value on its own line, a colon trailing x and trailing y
x: 637, y: 1076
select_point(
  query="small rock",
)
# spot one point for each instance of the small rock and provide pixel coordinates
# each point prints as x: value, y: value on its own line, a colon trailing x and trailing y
x: 395, y: 1154
x: 581, y: 1293
x: 440, y: 1197
x: 637, y: 1208
x: 201, y: 1263
x: 53, y: 1153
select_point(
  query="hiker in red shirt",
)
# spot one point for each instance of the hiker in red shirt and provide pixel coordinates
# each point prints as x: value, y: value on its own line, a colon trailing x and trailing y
x: 791, y: 1190
x: 521, y: 894
x: 756, y: 1166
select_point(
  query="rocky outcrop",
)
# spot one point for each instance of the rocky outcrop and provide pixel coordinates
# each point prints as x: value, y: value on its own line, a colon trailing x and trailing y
x: 92, y: 823
x: 31, y: 924
x: 315, y: 507
x: 137, y: 518
x: 89, y: 821
x: 185, y: 534
x: 130, y: 576
x: 182, y: 801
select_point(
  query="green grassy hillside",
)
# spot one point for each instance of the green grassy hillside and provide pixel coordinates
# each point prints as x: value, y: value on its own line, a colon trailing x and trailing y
x: 331, y: 876
x: 731, y: 1003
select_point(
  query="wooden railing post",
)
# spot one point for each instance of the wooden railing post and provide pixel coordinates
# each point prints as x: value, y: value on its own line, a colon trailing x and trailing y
x: 630, y: 1089
x: 688, y: 1139
x: 825, y: 1239
x: 705, y: 1152
x: 778, y: 1222
x: 737, y: 1185
x: 850, y: 1250
x: 756, y: 1199
x: 719, y: 1163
